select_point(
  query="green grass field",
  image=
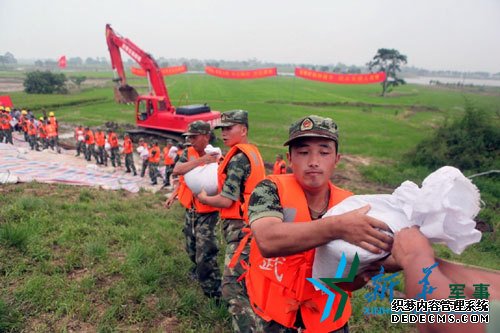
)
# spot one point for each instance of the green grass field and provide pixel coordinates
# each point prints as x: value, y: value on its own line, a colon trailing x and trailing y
x: 76, y: 259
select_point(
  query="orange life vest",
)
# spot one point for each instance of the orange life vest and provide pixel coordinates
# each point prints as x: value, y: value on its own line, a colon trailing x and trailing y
x: 31, y: 128
x: 51, y: 131
x: 186, y: 197
x: 127, y: 146
x: 238, y: 210
x: 166, y: 159
x: 113, y: 140
x: 277, y: 287
x: 42, y: 131
x: 100, y: 139
x: 53, y: 122
x: 278, y: 167
x: 89, y: 138
x: 154, y: 155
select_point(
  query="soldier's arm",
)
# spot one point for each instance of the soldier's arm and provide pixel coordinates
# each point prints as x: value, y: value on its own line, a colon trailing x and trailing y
x: 182, y: 168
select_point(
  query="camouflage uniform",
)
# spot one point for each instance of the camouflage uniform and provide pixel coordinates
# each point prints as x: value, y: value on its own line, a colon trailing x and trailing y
x: 201, y: 246
x: 234, y: 292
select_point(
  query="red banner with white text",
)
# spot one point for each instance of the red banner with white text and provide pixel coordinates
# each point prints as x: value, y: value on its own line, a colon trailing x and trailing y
x: 166, y: 71
x: 241, y: 74
x: 338, y: 78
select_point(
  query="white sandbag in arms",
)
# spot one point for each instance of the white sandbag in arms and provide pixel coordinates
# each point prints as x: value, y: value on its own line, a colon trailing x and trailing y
x: 443, y: 208
x: 107, y: 146
x: 172, y: 152
x: 205, y: 176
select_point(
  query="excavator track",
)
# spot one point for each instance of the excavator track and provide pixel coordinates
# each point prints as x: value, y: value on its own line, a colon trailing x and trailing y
x: 150, y: 134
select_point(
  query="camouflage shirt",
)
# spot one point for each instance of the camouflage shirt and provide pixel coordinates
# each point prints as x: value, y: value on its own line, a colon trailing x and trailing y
x: 237, y: 171
x: 265, y: 202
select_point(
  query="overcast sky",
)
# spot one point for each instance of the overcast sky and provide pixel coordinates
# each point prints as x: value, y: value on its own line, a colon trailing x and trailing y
x: 434, y: 34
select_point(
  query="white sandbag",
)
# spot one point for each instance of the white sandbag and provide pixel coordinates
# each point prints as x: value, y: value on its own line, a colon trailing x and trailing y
x: 172, y: 153
x: 144, y: 154
x: 107, y: 146
x: 8, y: 178
x: 140, y: 149
x: 202, y: 177
x: 443, y: 208
x: 13, y: 122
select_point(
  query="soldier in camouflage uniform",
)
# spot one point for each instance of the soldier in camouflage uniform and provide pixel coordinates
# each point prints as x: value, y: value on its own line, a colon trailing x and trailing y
x: 313, y: 144
x: 241, y: 170
x: 201, y: 220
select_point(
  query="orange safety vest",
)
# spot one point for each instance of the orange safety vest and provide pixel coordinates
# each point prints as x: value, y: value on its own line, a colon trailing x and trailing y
x: 51, y: 131
x: 113, y: 140
x: 277, y: 287
x: 100, y: 139
x: 53, y: 122
x: 89, y: 138
x: 127, y: 146
x: 278, y: 166
x: 166, y: 159
x: 185, y: 195
x: 6, y: 121
x: 238, y: 210
x: 31, y: 128
x: 154, y: 155
x: 42, y: 131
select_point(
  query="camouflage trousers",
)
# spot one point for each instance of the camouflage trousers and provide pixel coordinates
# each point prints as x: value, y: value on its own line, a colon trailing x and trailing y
x: 103, y: 155
x: 201, y: 246
x: 8, y: 135
x: 115, y: 157
x: 90, y: 151
x: 153, y: 172
x: 129, y: 163
x: 168, y: 172
x: 234, y: 292
x: 80, y: 148
x: 144, y: 167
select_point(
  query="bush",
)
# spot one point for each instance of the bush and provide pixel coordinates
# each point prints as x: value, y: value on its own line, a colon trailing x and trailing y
x: 469, y: 143
x: 39, y: 82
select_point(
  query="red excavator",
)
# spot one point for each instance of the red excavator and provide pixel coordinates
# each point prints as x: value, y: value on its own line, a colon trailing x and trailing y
x: 155, y: 114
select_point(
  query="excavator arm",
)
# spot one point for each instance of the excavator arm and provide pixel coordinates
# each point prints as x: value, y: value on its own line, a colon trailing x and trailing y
x: 155, y: 77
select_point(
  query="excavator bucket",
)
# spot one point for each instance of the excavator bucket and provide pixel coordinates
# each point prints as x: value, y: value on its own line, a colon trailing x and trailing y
x: 125, y: 94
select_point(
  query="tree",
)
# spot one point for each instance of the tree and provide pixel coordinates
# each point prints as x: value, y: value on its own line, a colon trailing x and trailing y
x: 39, y: 82
x: 388, y: 61
x: 77, y: 80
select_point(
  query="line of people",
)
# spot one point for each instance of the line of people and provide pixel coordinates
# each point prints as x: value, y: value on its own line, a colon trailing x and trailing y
x: 105, y: 146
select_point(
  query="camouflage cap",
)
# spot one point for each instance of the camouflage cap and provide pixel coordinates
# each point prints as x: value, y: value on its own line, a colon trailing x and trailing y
x: 198, y: 127
x: 313, y: 126
x: 233, y: 117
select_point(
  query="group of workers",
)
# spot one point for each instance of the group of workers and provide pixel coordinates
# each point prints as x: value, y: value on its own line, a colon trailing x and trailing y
x: 267, y: 262
x: 39, y: 133
x: 103, y: 146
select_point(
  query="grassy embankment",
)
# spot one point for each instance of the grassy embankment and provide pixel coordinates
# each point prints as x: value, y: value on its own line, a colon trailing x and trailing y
x: 74, y: 258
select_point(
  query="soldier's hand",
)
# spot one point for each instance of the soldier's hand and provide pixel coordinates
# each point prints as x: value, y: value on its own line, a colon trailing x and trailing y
x: 408, y: 244
x: 168, y: 203
x: 357, y: 228
x: 210, y: 158
x: 202, y: 196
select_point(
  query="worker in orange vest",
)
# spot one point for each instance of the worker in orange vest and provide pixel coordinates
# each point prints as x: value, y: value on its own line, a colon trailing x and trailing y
x: 42, y: 133
x: 54, y: 122
x: 279, y: 167
x: 169, y: 163
x: 23, y: 124
x: 238, y: 174
x: 153, y: 162
x: 128, y: 151
x: 200, y: 220
x: 32, y: 134
x: 100, y: 140
x: 115, y: 148
x: 282, y: 254
x: 3, y: 121
x: 51, y: 136
x: 90, y: 143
